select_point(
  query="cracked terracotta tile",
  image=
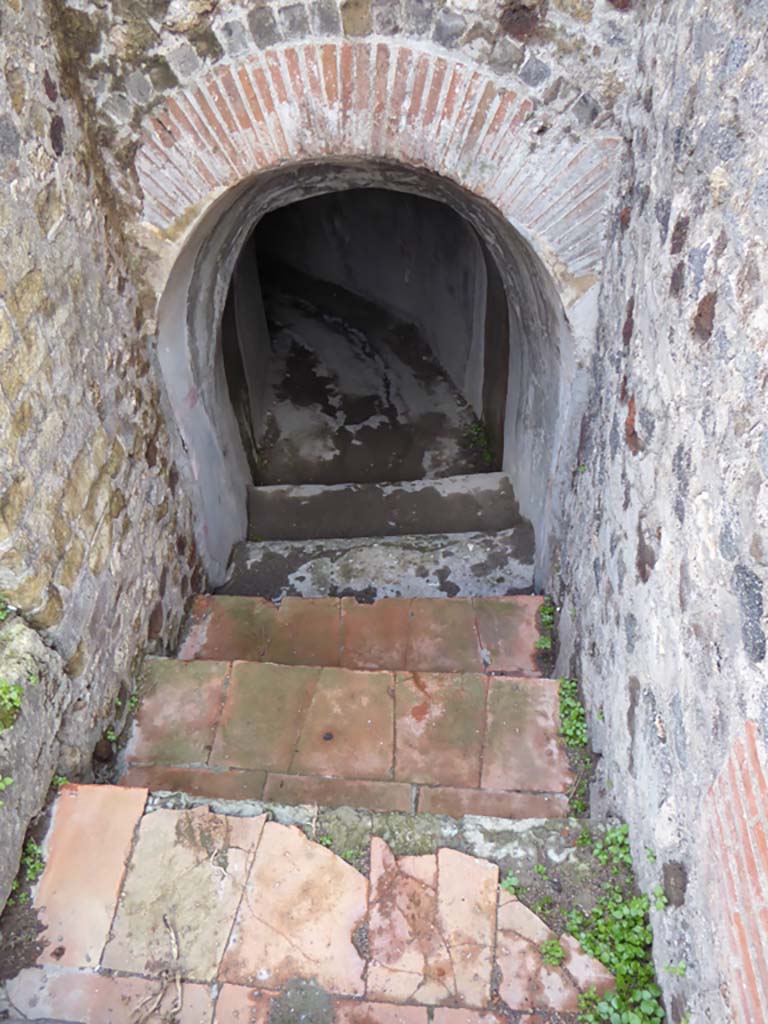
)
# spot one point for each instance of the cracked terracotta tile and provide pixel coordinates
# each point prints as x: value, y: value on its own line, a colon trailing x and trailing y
x: 180, y: 706
x: 585, y: 970
x: 262, y: 715
x: 442, y: 636
x: 90, y: 998
x: 522, y: 747
x: 508, y: 630
x: 88, y: 845
x: 466, y: 896
x: 301, y: 907
x: 241, y: 1004
x: 348, y: 730
x: 348, y: 1012
x: 409, y: 959
x: 306, y: 631
x: 228, y: 628
x: 440, y: 727
x: 190, y: 867
x: 527, y: 983
x: 431, y: 927
x: 375, y: 636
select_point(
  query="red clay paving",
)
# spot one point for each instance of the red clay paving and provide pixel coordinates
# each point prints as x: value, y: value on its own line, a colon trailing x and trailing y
x: 204, y: 919
x: 423, y: 634
x: 433, y: 705
x: 450, y: 743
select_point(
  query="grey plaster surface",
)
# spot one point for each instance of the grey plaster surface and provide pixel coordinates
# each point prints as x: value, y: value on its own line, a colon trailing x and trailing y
x: 355, y: 393
x: 431, y: 565
x: 456, y: 504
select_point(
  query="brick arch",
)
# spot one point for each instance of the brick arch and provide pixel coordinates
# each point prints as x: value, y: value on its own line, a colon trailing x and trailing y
x: 378, y: 100
x: 303, y: 119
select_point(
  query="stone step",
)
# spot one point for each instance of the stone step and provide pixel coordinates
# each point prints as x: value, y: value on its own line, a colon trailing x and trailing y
x: 451, y: 743
x: 330, y: 917
x: 431, y: 565
x: 457, y: 504
x: 495, y: 634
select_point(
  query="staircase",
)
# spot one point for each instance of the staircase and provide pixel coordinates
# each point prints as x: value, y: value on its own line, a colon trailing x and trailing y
x: 314, y: 813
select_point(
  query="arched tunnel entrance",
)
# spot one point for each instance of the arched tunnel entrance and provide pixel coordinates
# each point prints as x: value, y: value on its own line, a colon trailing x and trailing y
x: 369, y: 326
x: 365, y: 340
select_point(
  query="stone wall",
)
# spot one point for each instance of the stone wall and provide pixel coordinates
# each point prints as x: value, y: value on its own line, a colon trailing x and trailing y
x: 664, y: 565
x: 96, y: 547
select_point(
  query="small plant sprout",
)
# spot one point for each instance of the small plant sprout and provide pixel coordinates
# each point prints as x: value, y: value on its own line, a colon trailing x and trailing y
x: 511, y: 883
x: 32, y: 861
x: 10, y: 703
x: 325, y: 840
x: 544, y: 643
x: 59, y: 780
x: 540, y: 869
x: 111, y: 735
x: 677, y: 970
x: 552, y: 953
x: 5, y: 782
x: 650, y: 855
x: 585, y: 838
x: 573, y: 719
x: 660, y: 900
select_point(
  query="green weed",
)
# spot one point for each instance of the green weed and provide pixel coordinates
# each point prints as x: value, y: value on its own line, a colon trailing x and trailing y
x: 32, y: 861
x: 10, y: 703
x: 5, y: 782
x: 552, y: 952
x: 573, y: 718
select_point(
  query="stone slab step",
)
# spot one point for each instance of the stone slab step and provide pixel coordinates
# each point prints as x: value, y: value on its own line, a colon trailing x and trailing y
x: 454, y: 743
x: 457, y: 504
x: 473, y: 564
x: 395, y: 930
x: 421, y: 634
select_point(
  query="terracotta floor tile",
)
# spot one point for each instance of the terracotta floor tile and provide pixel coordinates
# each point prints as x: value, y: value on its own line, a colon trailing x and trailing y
x: 527, y: 983
x: 223, y: 785
x: 190, y: 866
x: 348, y: 1012
x: 180, y: 706
x: 228, y: 628
x: 313, y: 789
x: 447, y: 1015
x: 508, y: 631
x: 440, y: 727
x: 88, y: 998
x: 349, y: 728
x: 301, y: 908
x: 466, y: 901
x: 522, y: 749
x: 375, y: 636
x: 443, y: 636
x: 262, y: 715
x: 88, y: 844
x: 585, y: 970
x: 241, y: 1004
x: 307, y: 631
x: 458, y: 802
x: 431, y: 927
x: 409, y: 961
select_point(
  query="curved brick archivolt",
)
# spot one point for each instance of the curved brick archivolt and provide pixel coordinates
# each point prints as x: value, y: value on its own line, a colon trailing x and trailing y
x: 377, y: 100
